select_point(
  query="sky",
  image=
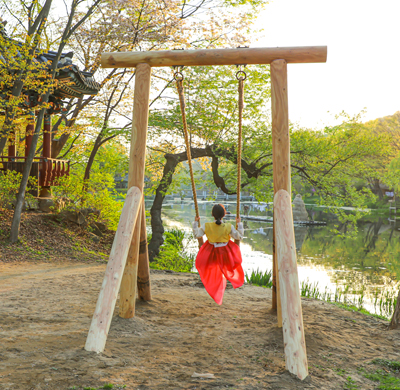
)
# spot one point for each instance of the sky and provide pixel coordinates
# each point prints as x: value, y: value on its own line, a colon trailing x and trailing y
x: 363, y: 66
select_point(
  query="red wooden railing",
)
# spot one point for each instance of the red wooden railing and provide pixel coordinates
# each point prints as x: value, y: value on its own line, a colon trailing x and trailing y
x: 46, y: 170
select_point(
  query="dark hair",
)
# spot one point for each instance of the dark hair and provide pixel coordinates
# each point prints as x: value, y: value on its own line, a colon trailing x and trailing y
x: 218, y: 212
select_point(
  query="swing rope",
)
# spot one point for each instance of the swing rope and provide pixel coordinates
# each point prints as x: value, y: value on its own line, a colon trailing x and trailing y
x: 178, y: 76
x: 241, y: 76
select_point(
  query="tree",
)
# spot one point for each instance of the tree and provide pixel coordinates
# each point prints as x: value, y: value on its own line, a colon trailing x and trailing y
x: 135, y: 25
x: 389, y: 125
x: 330, y: 160
x: 69, y: 29
x: 17, y: 64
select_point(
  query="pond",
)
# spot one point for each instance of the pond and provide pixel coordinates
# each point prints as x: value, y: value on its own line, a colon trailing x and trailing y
x: 366, y: 267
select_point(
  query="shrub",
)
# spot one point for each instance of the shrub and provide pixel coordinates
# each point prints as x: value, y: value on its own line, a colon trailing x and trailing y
x: 174, y: 255
x: 9, y: 186
x: 97, y: 193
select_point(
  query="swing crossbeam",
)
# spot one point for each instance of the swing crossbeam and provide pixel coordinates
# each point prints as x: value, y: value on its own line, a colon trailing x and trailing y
x: 250, y: 56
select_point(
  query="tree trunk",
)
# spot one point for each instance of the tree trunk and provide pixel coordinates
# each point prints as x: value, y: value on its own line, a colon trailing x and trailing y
x: 25, y: 177
x: 376, y: 188
x: 58, y: 144
x: 92, y: 156
x: 172, y: 161
x: 156, y: 222
x: 395, y: 321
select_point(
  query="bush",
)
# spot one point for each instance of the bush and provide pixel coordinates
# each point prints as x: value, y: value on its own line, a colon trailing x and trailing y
x: 9, y: 186
x: 173, y: 253
x: 96, y: 194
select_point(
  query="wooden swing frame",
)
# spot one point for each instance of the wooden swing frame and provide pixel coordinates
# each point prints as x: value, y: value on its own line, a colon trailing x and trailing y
x: 128, y: 267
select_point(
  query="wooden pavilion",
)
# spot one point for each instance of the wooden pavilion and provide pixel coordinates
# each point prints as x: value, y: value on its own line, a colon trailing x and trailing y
x: 72, y: 83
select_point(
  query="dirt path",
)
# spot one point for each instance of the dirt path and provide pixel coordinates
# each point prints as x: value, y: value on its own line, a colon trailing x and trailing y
x: 45, y: 313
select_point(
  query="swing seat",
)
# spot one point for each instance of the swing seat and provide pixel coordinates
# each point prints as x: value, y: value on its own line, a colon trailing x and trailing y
x: 217, y: 264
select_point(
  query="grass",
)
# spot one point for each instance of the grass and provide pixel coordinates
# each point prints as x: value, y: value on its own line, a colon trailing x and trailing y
x: 107, y: 386
x: 384, y: 373
x: 384, y: 305
x: 385, y: 377
x: 258, y: 278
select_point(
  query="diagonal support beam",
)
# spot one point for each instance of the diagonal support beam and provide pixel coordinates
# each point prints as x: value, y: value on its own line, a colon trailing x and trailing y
x: 102, y: 316
x: 292, y: 317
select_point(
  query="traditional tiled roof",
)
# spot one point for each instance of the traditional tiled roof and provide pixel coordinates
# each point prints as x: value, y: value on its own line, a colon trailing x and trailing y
x: 73, y: 83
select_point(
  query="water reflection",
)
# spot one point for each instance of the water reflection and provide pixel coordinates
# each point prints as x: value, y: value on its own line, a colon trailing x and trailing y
x: 371, y: 261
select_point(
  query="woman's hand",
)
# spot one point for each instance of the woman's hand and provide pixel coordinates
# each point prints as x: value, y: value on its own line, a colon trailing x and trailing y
x: 197, y: 219
x: 237, y: 219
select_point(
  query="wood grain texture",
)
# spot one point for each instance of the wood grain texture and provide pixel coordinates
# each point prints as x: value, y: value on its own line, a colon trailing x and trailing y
x: 47, y: 136
x: 292, y: 317
x: 259, y: 55
x: 280, y: 126
x: 280, y: 141
x: 102, y: 316
x: 274, y: 305
x: 136, y: 178
x: 276, y: 297
x: 143, y: 280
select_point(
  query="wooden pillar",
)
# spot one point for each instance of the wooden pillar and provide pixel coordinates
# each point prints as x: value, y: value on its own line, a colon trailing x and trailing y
x: 143, y: 280
x: 47, y: 136
x: 280, y: 148
x: 11, y: 146
x: 30, y: 129
x: 136, y: 178
x: 45, y: 191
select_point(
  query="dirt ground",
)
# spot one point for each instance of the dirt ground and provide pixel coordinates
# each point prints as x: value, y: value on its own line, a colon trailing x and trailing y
x: 46, y: 309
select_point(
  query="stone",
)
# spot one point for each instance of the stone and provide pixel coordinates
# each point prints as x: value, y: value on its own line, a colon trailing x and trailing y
x: 101, y: 226
x: 90, y: 211
x: 74, y: 216
x: 46, y: 205
x: 96, y: 230
x: 94, y: 238
x: 299, y: 209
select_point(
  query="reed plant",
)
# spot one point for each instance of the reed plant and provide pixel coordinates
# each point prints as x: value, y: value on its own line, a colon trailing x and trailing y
x: 355, y: 300
x: 259, y: 278
x: 385, y: 303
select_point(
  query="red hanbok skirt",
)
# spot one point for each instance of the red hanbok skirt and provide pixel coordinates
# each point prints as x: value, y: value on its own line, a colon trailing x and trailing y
x: 216, y: 264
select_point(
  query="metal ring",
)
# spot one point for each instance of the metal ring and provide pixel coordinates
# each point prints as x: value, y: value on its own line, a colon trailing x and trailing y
x: 178, y: 76
x: 241, y: 75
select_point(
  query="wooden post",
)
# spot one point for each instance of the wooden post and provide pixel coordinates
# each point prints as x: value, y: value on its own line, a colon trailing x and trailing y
x: 30, y: 129
x: 143, y: 280
x: 280, y: 142
x: 11, y: 146
x: 136, y: 178
x: 45, y: 191
x: 102, y: 316
x: 47, y: 136
x: 292, y: 317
